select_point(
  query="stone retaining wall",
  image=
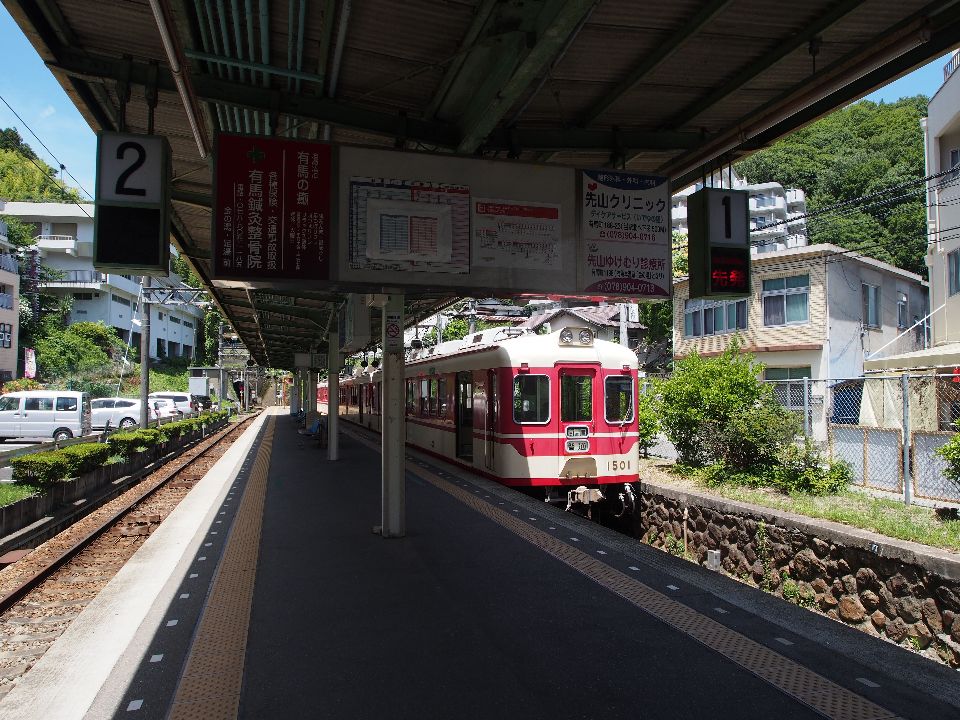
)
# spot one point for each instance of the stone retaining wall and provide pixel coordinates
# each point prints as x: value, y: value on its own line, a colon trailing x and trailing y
x: 903, y: 591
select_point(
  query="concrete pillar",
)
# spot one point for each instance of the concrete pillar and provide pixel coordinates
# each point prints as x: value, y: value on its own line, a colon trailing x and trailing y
x: 295, y: 393
x: 394, y: 520
x: 312, y: 394
x: 333, y: 391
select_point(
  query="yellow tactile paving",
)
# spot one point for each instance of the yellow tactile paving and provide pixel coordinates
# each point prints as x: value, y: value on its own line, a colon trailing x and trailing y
x: 210, y: 686
x: 791, y: 678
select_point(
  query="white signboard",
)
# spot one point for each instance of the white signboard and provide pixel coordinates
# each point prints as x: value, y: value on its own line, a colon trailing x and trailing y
x: 517, y: 234
x: 392, y: 331
x: 131, y: 168
x: 625, y: 234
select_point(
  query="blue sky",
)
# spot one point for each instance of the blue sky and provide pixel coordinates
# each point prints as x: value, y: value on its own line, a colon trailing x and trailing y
x: 30, y: 89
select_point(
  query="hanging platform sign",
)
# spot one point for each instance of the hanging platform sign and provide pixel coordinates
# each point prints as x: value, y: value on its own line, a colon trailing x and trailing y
x: 625, y: 236
x: 132, y: 217
x: 272, y: 214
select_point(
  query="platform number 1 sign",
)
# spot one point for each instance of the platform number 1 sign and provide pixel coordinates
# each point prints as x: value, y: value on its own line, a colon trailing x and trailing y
x: 132, y: 223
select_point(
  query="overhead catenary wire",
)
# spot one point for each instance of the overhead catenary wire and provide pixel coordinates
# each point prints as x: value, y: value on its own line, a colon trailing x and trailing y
x: 43, y: 144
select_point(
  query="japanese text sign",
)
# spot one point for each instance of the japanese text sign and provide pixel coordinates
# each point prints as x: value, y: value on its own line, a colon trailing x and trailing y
x: 625, y: 234
x: 272, y: 216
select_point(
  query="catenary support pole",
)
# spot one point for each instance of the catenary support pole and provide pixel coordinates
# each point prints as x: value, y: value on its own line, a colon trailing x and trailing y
x: 145, y: 354
x: 807, y: 414
x: 333, y: 391
x: 394, y: 521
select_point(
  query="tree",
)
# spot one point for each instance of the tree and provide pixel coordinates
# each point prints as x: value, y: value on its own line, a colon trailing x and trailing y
x: 856, y: 152
x: 31, y: 180
x: 181, y: 267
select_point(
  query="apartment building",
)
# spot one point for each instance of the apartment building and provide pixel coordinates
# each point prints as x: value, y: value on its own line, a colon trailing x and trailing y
x: 942, y: 147
x: 64, y: 241
x: 815, y: 311
x: 9, y: 307
x: 776, y: 214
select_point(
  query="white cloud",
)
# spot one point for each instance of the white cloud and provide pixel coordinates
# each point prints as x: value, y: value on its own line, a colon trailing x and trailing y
x: 47, y: 112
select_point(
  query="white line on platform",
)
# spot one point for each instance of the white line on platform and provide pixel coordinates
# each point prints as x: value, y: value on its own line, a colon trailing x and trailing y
x: 783, y: 641
x: 171, y: 623
x: 601, y: 552
x: 201, y: 558
x: 721, y: 611
x: 156, y: 658
x: 575, y: 539
x: 672, y: 587
x: 184, y: 596
x: 868, y: 683
x: 634, y: 567
x: 207, y: 544
x: 193, y: 575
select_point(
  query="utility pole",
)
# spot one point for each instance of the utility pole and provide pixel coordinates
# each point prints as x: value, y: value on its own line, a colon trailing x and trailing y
x: 145, y: 353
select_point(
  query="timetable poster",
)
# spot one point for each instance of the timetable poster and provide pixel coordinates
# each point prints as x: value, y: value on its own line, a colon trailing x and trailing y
x: 625, y: 234
x: 272, y: 214
x: 516, y: 234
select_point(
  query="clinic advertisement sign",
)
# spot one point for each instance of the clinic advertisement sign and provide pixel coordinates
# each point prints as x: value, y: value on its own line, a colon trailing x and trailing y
x: 272, y: 209
x: 625, y: 236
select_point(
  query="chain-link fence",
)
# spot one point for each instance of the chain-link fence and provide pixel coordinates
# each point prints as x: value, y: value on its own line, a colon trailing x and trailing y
x: 887, y: 429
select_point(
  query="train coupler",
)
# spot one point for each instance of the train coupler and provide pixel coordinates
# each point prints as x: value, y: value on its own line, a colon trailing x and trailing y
x: 628, y: 501
x: 584, y: 496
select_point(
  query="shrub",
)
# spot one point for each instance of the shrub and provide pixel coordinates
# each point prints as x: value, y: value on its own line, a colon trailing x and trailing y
x: 42, y: 468
x: 648, y: 421
x: 127, y: 443
x: 21, y: 384
x: 86, y: 457
x: 718, y: 410
x: 804, y: 469
x: 951, y: 453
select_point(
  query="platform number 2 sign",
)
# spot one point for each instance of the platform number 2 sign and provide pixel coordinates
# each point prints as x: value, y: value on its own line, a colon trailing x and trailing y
x: 132, y: 223
x: 130, y: 168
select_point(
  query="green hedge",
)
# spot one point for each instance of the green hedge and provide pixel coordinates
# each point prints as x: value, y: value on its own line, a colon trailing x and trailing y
x: 127, y: 443
x: 42, y: 468
x: 86, y: 457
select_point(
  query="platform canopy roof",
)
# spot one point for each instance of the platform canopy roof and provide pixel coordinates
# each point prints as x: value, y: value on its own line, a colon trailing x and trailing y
x: 672, y: 87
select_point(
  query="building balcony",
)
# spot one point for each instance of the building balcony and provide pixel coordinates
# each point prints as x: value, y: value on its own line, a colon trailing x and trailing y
x: 10, y: 264
x: 951, y: 66
x: 770, y: 203
x: 78, y: 278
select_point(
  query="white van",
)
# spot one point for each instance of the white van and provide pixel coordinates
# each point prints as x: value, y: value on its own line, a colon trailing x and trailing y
x: 60, y: 414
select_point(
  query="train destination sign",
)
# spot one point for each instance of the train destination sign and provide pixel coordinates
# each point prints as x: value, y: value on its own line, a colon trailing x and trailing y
x: 625, y: 234
x: 272, y: 209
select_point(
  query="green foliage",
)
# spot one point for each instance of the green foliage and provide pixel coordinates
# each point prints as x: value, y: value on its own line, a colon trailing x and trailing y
x: 181, y: 267
x: 21, y: 384
x: 456, y: 329
x: 63, y: 352
x: 85, y: 458
x: 802, y: 468
x: 763, y: 554
x: 792, y: 592
x: 128, y: 443
x: 951, y: 454
x: 21, y: 179
x: 649, y: 423
x: 854, y: 152
x: 681, y: 260
x: 98, y: 334
x: 717, y: 410
x: 673, y: 545
x: 209, y: 349
x: 42, y: 468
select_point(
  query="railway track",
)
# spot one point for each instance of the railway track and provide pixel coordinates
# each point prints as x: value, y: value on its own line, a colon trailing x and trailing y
x: 42, y: 594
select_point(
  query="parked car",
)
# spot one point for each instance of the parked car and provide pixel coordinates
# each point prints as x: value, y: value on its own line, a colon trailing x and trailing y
x: 163, y: 408
x: 201, y: 402
x: 117, y: 411
x: 181, y: 401
x: 60, y: 414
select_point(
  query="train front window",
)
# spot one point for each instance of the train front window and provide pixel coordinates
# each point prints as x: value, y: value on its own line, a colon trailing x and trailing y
x: 531, y: 399
x: 618, y: 402
x: 576, y: 398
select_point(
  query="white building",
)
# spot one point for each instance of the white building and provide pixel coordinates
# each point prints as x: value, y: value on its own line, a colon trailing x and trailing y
x: 64, y: 241
x: 942, y: 147
x: 776, y: 214
x: 9, y: 307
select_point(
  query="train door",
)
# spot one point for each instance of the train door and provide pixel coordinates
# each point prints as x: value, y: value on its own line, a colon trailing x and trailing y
x: 493, y: 409
x: 464, y: 415
x: 577, y: 420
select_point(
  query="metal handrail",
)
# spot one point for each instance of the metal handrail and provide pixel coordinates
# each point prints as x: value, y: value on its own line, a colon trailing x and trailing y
x: 951, y: 66
x: 9, y: 263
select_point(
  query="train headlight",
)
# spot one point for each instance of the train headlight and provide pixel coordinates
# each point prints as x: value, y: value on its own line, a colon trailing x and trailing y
x: 566, y: 336
x: 586, y: 337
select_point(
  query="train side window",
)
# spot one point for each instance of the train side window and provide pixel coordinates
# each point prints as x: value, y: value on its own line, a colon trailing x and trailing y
x: 411, y: 398
x: 442, y: 396
x: 433, y: 397
x: 576, y: 398
x: 618, y: 400
x: 531, y: 399
x: 424, y: 397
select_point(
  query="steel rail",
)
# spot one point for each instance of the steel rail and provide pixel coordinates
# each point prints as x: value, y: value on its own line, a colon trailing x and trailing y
x: 35, y: 580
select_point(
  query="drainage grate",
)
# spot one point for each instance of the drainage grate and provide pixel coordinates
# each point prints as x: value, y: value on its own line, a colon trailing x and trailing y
x: 813, y: 690
x: 210, y: 686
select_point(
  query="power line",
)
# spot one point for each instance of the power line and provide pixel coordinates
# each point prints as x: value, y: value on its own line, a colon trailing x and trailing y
x: 56, y: 159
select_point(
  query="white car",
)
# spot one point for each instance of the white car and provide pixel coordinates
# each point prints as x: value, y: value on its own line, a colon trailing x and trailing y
x: 181, y: 400
x: 162, y: 408
x: 119, y: 412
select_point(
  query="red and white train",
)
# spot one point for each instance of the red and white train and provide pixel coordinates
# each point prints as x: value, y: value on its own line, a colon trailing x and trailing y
x: 553, y: 414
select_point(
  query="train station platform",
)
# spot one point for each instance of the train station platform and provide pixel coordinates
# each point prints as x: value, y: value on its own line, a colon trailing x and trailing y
x: 267, y: 595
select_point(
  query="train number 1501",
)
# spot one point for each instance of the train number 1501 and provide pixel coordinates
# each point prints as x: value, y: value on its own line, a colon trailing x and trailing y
x: 616, y: 465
